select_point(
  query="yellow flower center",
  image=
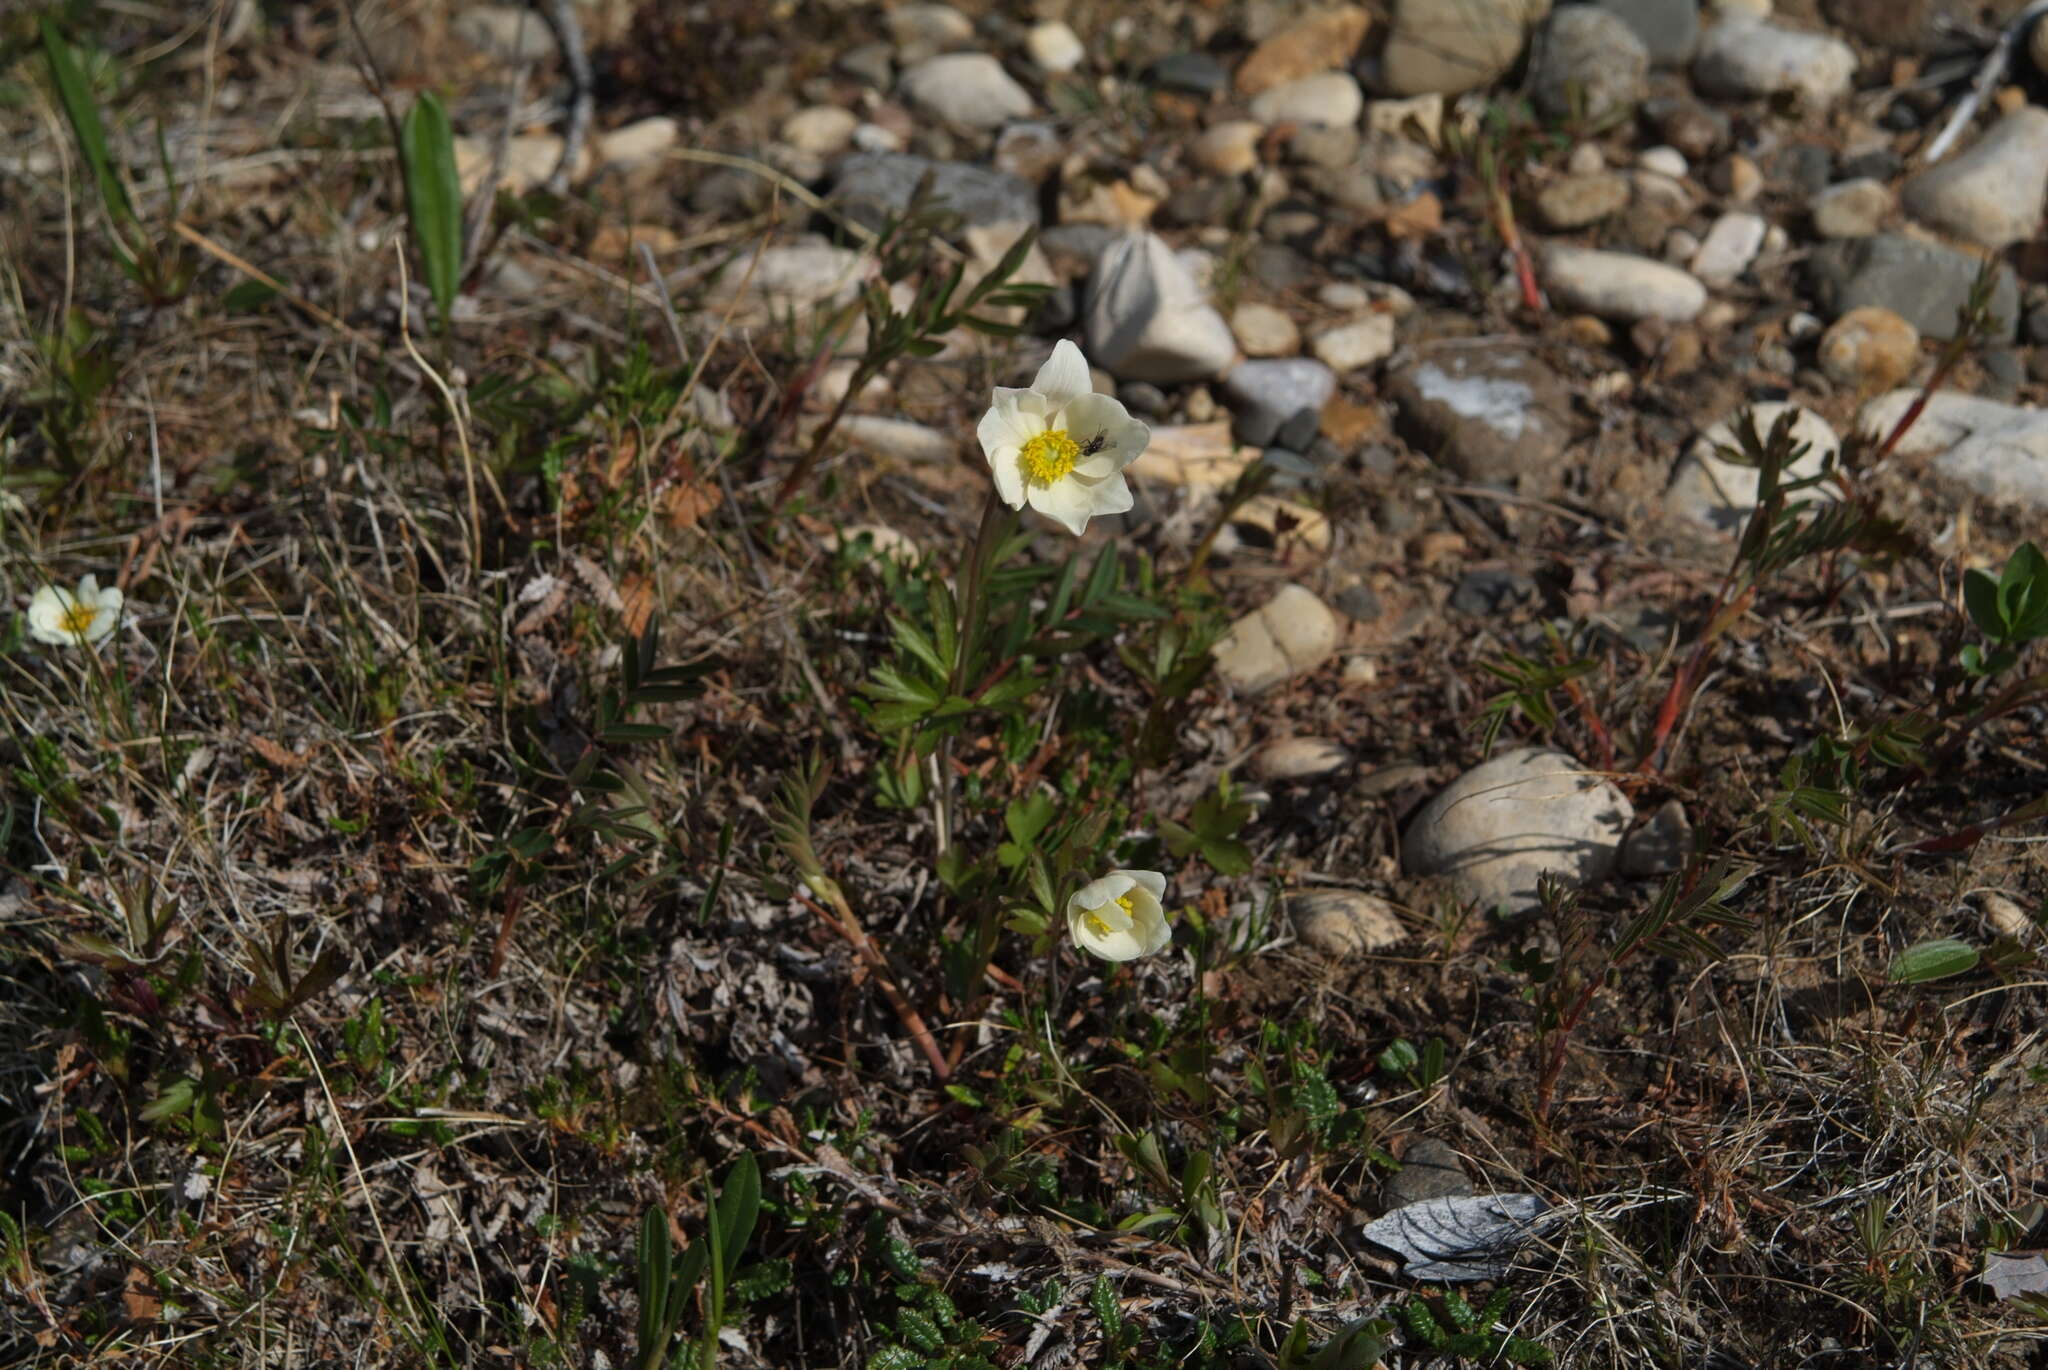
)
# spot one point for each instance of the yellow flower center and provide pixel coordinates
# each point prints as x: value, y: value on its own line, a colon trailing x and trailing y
x: 1099, y: 925
x: 77, y: 619
x: 1049, y: 457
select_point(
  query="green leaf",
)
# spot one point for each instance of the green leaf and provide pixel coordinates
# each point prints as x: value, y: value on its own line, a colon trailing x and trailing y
x: 739, y: 1204
x: 1936, y: 959
x: 434, y: 194
x: 248, y: 297
x: 914, y: 643
x: 2023, y: 594
x: 1400, y: 1057
x: 1981, y: 598
x: 1026, y: 818
x: 961, y: 1094
x: 1227, y: 856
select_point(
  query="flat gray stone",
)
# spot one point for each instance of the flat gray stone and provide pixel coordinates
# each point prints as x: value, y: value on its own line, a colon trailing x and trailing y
x: 1264, y: 394
x: 869, y: 187
x: 1923, y: 283
x: 1429, y: 1170
x: 1990, y: 193
x: 1669, y: 30
x: 1488, y: 411
x: 1996, y: 449
x: 1745, y: 58
x: 1589, y: 59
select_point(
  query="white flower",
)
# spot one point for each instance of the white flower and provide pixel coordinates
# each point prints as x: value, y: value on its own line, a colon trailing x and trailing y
x: 1118, y: 917
x: 74, y: 618
x: 1059, y: 446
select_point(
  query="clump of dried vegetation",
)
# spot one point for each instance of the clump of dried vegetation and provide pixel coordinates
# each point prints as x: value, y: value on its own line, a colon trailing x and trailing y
x: 516, y: 891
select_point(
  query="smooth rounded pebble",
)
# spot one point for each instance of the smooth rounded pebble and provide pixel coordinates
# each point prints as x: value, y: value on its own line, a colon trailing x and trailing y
x: 1621, y: 286
x: 1729, y: 247
x: 1741, y: 58
x: 821, y: 129
x: 1869, y: 348
x: 1589, y: 61
x: 1850, y: 209
x: 1503, y: 824
x: 1344, y: 922
x: 966, y: 88
x: 1989, y: 194
x: 1712, y: 492
x: 1230, y: 148
x: 1264, y: 331
x: 1328, y: 97
x: 1349, y: 346
x: 1054, y: 47
x: 1298, y: 758
x: 1575, y: 201
x: 1294, y: 632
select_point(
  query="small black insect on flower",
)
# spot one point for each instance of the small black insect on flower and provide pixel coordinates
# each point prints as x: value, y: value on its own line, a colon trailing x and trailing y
x: 1095, y: 444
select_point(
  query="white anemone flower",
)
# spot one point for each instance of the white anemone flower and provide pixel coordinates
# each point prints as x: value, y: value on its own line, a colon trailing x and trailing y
x: 1119, y: 917
x: 1060, y: 447
x: 74, y: 618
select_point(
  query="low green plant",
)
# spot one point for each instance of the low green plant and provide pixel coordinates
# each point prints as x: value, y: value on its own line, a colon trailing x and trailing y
x: 667, y: 1283
x: 1450, y: 1326
x: 433, y: 198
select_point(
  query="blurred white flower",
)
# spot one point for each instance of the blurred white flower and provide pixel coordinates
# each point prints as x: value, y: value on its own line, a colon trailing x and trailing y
x: 1060, y: 447
x: 1119, y: 917
x: 74, y: 618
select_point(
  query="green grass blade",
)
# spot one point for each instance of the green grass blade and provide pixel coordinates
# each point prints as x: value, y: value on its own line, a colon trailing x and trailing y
x: 434, y: 194
x: 75, y: 92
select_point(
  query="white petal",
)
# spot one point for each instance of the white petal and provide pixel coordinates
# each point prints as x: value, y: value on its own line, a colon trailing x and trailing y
x: 1152, y: 882
x: 1009, y: 476
x: 1005, y: 423
x: 46, y: 610
x: 1066, y: 502
x: 1064, y: 378
x: 1123, y: 437
x: 1106, y: 890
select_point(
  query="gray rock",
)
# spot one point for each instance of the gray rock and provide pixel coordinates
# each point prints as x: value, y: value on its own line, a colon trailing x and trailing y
x: 1488, y: 411
x: 1661, y: 845
x: 1712, y: 492
x: 1201, y: 203
x: 1695, y: 129
x: 1324, y: 145
x: 1294, y: 632
x: 2004, y: 369
x: 1452, y: 46
x: 1344, y: 922
x: 1506, y: 822
x: 1264, y: 331
x: 1191, y: 73
x: 509, y: 33
x: 1354, y: 186
x: 868, y: 187
x: 1923, y: 283
x: 1878, y: 164
x: 1299, y: 432
x: 1574, y: 201
x: 1621, y: 285
x: 1263, y: 395
x: 1999, y: 450
x: 1429, y: 1170
x: 1149, y: 319
x: 1805, y: 167
x: 1743, y: 58
x: 1851, y: 209
x: 1491, y: 591
x: 966, y: 88
x: 1668, y: 29
x: 1991, y: 193
x: 1142, y: 398
x: 1588, y: 59
x: 1277, y: 266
